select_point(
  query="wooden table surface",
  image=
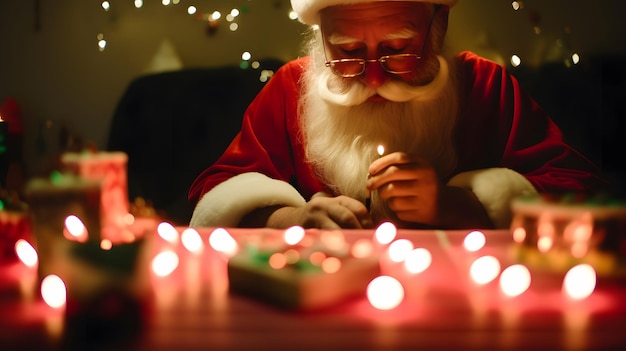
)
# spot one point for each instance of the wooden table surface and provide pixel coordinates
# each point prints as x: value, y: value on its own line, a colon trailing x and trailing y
x: 192, y: 309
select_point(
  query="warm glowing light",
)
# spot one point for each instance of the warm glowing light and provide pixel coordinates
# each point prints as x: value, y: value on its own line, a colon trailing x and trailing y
x: 246, y: 56
x: 255, y: 64
x: 165, y: 2
x: 53, y: 291
x: 331, y: 265
x: 277, y: 260
x: 233, y: 27
x: 399, y: 249
x: 474, y: 241
x: 380, y: 150
x: 317, y: 258
x: 221, y: 241
x: 333, y: 240
x: 485, y: 269
x: 544, y: 244
x: 293, y: 15
x: 385, y: 292
x: 519, y: 234
x: 102, y: 44
x: 167, y: 232
x: 106, y: 244
x: 418, y: 260
x: 215, y: 16
x: 293, y: 235
x: 234, y: 12
x: 128, y: 219
x: 516, y: 60
x: 575, y: 58
x: 580, y: 281
x: 75, y: 229
x: 26, y: 253
x: 138, y: 3
x: 266, y: 74
x: 192, y: 241
x: 106, y: 5
x: 362, y: 248
x: 385, y: 233
x: 517, y: 5
x: 191, y: 10
x: 515, y: 280
x: 164, y: 263
x: 292, y: 256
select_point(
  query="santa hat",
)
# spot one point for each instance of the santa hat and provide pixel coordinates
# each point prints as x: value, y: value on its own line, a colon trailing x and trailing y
x: 308, y: 10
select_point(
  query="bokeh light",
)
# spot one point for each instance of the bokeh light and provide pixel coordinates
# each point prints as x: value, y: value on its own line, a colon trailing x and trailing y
x: 53, y: 291
x: 484, y: 269
x: 385, y: 292
x: 515, y: 280
x: 580, y: 281
x: 418, y: 260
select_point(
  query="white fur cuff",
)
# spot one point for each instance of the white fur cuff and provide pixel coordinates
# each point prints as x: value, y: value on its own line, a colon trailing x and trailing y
x: 227, y: 203
x: 495, y: 188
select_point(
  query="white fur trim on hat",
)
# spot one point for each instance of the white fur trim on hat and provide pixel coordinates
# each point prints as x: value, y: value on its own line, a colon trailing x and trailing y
x: 228, y: 202
x: 308, y: 10
x: 495, y: 188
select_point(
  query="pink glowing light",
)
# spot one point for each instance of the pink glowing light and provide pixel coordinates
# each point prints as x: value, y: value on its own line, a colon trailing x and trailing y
x: 192, y: 241
x: 474, y: 241
x: 385, y: 292
x: 106, y: 244
x: 362, y: 248
x: 75, y: 229
x: 399, y: 249
x: 53, y: 291
x: 26, y: 253
x: 278, y: 260
x: 515, y: 280
x: 385, y: 233
x: 418, y: 260
x: 580, y: 281
x: 167, y: 232
x: 519, y: 234
x: 293, y: 235
x: 334, y: 240
x: 331, y: 265
x: 164, y: 263
x: 221, y: 241
x: 484, y: 270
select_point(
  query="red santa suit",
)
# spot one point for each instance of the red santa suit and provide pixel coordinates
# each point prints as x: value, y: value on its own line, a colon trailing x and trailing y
x: 506, y: 146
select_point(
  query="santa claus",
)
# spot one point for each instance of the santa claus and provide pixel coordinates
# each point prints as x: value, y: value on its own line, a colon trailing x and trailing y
x: 461, y: 139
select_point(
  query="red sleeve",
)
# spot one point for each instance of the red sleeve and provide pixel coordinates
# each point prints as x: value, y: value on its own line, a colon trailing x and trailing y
x: 268, y: 139
x: 502, y: 126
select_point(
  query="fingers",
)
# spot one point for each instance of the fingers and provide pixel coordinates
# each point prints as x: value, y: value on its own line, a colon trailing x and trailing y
x: 336, y: 212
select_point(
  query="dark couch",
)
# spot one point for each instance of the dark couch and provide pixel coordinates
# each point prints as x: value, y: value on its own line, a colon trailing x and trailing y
x: 172, y: 125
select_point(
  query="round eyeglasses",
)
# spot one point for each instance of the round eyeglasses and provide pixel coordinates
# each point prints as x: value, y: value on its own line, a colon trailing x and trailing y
x: 395, y: 64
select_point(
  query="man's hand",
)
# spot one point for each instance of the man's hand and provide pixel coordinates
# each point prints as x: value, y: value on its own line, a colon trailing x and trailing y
x: 322, y: 211
x: 410, y: 187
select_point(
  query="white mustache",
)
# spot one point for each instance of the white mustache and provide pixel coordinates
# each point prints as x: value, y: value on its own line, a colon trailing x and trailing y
x: 393, y: 90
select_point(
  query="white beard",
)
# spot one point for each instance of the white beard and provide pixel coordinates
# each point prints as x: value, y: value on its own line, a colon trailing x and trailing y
x: 342, y: 130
